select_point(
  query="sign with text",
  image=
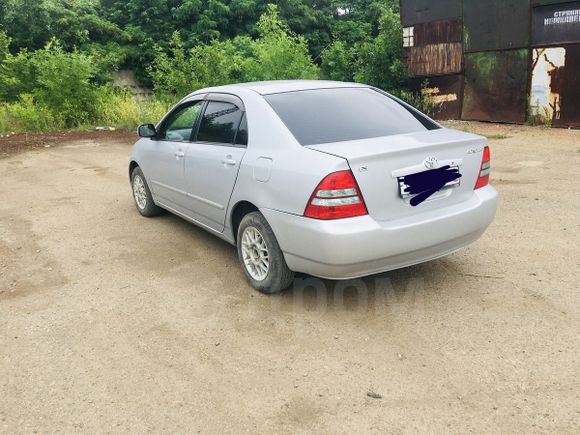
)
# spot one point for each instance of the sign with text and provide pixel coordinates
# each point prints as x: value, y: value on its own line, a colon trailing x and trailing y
x: 556, y: 24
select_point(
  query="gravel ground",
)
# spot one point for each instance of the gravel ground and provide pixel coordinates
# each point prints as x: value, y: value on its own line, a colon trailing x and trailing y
x: 111, y: 322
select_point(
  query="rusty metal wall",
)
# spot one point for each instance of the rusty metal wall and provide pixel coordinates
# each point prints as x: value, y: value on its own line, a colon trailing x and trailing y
x: 444, y: 92
x: 434, y: 59
x: 496, y: 86
x: 569, y: 86
x: 438, y: 32
x: 423, y: 11
x: 495, y: 24
x: 506, y: 68
x: 556, y: 24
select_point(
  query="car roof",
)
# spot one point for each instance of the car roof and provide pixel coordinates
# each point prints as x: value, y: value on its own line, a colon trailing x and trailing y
x: 280, y: 86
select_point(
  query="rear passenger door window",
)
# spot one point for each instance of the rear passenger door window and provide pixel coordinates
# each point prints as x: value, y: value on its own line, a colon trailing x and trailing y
x: 219, y: 123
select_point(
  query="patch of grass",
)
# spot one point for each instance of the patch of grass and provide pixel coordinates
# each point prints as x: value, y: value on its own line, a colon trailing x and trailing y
x: 498, y: 136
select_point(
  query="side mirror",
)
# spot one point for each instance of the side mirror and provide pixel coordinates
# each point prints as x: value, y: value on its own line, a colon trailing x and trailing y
x: 147, y: 130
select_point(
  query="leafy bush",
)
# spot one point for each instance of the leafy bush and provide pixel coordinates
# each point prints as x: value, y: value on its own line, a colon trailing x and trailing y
x: 27, y: 115
x: 338, y: 62
x: 420, y: 101
x: 63, y: 83
x: 56, y: 79
x: 16, y: 72
x: 50, y: 89
x: 278, y: 54
x: 181, y: 71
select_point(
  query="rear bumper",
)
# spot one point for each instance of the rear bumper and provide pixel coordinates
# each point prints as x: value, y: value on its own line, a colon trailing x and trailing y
x: 350, y: 248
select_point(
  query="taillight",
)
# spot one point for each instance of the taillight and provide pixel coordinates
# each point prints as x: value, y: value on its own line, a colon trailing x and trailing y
x: 336, y: 197
x: 483, y: 177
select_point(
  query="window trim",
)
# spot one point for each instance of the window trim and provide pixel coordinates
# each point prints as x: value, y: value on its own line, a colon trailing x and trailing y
x: 425, y: 120
x: 215, y: 98
x: 193, y: 138
x: 226, y: 98
x: 244, y: 117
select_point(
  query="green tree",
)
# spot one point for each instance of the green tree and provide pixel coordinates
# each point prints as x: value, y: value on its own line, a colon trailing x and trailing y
x: 77, y: 23
x: 27, y: 22
x: 379, y: 61
x: 276, y: 54
x: 313, y: 19
x: 4, y: 46
x: 338, y: 62
x: 179, y: 71
x: 17, y: 74
x: 32, y: 23
x: 279, y: 53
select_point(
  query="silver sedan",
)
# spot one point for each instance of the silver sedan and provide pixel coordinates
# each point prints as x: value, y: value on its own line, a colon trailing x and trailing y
x: 336, y: 180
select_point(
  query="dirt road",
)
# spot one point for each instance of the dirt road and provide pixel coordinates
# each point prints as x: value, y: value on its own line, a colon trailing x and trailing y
x: 110, y: 322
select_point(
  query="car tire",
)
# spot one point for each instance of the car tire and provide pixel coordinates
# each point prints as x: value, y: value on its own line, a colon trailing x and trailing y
x: 256, y: 243
x: 142, y: 195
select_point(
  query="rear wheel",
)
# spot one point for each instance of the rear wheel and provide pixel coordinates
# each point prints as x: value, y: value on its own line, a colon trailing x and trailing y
x: 142, y: 195
x: 260, y: 255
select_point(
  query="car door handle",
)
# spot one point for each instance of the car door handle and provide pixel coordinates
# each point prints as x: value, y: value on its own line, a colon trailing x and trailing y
x: 229, y: 161
x: 179, y: 154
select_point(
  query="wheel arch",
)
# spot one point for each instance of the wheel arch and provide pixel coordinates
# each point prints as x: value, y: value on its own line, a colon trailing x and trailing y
x: 239, y: 210
x: 132, y: 167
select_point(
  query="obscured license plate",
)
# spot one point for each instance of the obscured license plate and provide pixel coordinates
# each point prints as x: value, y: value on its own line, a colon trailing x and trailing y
x: 404, y: 187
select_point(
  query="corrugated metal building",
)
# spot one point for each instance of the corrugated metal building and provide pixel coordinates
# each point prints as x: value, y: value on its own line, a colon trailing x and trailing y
x: 496, y: 60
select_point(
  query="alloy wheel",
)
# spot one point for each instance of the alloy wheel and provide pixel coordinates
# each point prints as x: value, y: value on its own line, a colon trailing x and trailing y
x: 255, y: 254
x: 139, y: 192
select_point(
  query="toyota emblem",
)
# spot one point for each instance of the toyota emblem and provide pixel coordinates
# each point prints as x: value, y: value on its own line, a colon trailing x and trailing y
x: 431, y: 162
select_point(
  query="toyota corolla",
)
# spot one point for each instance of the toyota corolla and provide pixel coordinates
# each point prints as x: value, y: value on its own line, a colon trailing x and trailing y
x: 336, y: 180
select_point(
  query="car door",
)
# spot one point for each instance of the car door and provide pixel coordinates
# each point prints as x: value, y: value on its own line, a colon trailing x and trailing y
x: 213, y: 159
x: 166, y: 168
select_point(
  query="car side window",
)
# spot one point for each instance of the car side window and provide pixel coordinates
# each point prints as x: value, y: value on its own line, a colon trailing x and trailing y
x: 219, y: 123
x: 242, y: 135
x: 180, y: 125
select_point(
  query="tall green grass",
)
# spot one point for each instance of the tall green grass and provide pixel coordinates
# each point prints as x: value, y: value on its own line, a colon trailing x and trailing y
x: 112, y: 107
x: 120, y: 109
x: 26, y: 115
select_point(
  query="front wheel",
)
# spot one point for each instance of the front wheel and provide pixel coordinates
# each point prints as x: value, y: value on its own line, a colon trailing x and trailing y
x: 142, y: 195
x: 260, y: 255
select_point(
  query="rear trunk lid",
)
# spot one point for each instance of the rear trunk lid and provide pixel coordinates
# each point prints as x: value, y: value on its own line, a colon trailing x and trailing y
x: 380, y: 165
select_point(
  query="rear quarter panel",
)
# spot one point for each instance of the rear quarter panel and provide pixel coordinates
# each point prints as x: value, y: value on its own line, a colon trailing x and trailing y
x: 277, y: 172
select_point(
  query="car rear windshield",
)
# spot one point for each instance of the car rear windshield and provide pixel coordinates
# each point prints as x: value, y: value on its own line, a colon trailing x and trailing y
x: 335, y: 115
